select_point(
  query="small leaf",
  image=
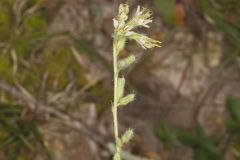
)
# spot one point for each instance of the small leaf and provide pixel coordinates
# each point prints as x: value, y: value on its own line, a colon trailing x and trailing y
x: 125, y: 100
x: 120, y: 89
x: 127, y: 136
x: 167, y: 134
x: 25, y: 141
x: 126, y: 62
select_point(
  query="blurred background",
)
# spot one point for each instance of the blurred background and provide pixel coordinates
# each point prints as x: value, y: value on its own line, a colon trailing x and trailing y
x: 56, y: 81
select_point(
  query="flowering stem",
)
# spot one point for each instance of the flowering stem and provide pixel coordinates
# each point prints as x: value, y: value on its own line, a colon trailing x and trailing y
x: 122, y: 32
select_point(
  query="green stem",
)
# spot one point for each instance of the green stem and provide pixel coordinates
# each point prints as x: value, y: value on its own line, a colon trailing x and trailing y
x: 114, y: 108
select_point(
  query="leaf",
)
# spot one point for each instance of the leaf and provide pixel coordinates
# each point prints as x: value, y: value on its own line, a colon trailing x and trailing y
x: 36, y: 22
x: 166, y: 134
x: 10, y: 110
x: 166, y: 7
x: 221, y: 22
x: 212, y: 150
x: 194, y: 137
x: 203, y: 146
x: 200, y: 154
x: 126, y: 100
x: 120, y: 88
x: 39, y: 137
x: 87, y: 49
x: 21, y: 157
x: 202, y: 4
x: 8, y: 127
x: 233, y: 106
x: 8, y: 140
x: 25, y: 141
x: 232, y: 32
x: 126, y: 62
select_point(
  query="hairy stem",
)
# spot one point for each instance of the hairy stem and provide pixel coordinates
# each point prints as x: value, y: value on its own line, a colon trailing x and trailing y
x: 114, y: 107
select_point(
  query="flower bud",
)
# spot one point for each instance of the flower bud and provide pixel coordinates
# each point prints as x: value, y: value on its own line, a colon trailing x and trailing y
x: 127, y: 136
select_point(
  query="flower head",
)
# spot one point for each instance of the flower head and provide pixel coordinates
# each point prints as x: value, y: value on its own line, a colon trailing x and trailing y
x: 122, y: 16
x: 141, y: 18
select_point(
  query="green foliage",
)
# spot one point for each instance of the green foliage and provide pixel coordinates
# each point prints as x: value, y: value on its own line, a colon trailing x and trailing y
x: 59, y: 69
x: 36, y: 24
x: 222, y: 13
x: 231, y: 31
x: 26, y: 39
x: 167, y: 134
x: 204, y: 147
x: 167, y: 9
x: 26, y: 36
x: 221, y: 19
x: 5, y: 22
x: 5, y: 66
x: 83, y: 45
x: 17, y: 133
x: 233, y: 105
x: 103, y: 95
x: 22, y: 38
x: 233, y: 123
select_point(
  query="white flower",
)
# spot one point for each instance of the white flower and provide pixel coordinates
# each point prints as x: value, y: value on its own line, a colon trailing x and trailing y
x: 141, y: 18
x: 143, y: 40
x: 122, y: 16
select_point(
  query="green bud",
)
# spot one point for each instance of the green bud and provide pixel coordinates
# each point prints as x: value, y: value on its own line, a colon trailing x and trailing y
x: 126, y: 62
x: 125, y: 100
x: 127, y: 136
